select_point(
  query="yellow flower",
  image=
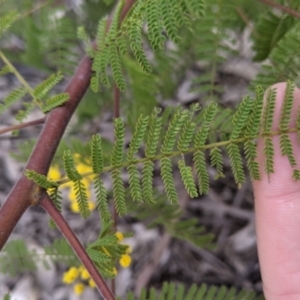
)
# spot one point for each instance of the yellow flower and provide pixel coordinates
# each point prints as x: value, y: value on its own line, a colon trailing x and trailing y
x: 78, y: 288
x: 92, y: 205
x: 70, y: 275
x: 92, y: 283
x: 82, y: 168
x: 74, y: 207
x: 72, y: 195
x: 125, y: 260
x: 85, y: 275
x: 54, y: 173
x: 119, y: 235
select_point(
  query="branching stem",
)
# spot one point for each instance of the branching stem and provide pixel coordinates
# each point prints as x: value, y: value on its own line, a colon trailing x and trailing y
x: 23, y: 125
x: 19, y: 76
x: 65, y: 229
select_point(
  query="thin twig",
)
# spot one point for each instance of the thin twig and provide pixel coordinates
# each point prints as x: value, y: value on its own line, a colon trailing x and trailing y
x: 23, y: 125
x: 65, y: 229
x: 18, y: 75
x: 283, y: 8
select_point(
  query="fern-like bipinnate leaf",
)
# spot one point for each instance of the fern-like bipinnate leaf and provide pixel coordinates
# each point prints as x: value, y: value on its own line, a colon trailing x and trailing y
x: 172, y: 131
x: 17, y: 258
x: 187, y: 132
x: 172, y: 291
x: 154, y: 129
x: 40, y: 179
x: 201, y: 136
x: 43, y: 88
x: 7, y: 20
x: 115, y: 62
x: 284, y: 121
x: 137, y: 137
x: 79, y: 187
x: 14, y: 96
x: 169, y: 20
x: 168, y: 180
x: 241, y: 117
x: 200, y: 166
x: 116, y: 160
x: 217, y: 161
x: 55, y: 101
x: 195, y: 7
x: 5, y: 70
x: 56, y: 198
x: 250, y: 153
x: 82, y: 198
x: 154, y: 25
x: 286, y: 107
x: 69, y: 165
x: 134, y: 181
x: 236, y: 163
x: 187, y: 178
x: 283, y: 63
x: 269, y: 30
x: 267, y: 121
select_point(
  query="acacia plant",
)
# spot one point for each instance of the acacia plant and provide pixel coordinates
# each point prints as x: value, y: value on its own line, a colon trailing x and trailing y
x: 137, y: 53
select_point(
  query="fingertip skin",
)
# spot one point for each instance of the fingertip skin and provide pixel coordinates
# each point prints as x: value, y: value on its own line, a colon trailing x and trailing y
x: 277, y: 207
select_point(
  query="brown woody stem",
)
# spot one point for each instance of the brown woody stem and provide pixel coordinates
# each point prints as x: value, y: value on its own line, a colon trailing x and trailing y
x: 65, y: 229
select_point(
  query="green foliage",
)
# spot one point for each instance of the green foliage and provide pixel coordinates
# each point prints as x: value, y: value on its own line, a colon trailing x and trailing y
x: 170, y: 291
x: 6, y: 297
x: 106, y: 250
x: 55, y: 101
x: 16, y: 258
x: 37, y: 94
x: 269, y: 29
x: 50, y: 35
x: 97, y: 164
x: 7, y: 20
x: 283, y: 62
x: 43, y: 88
x: 79, y: 187
x: 40, y: 180
x: 14, y: 96
x: 171, y: 216
x: 56, y: 198
x: 5, y: 70
x: 178, y: 140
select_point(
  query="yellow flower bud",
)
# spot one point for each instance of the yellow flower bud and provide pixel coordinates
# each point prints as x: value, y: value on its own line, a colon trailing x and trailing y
x: 125, y: 260
x: 92, y: 283
x: 119, y: 235
x: 85, y: 274
x: 78, y: 288
x: 70, y: 275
